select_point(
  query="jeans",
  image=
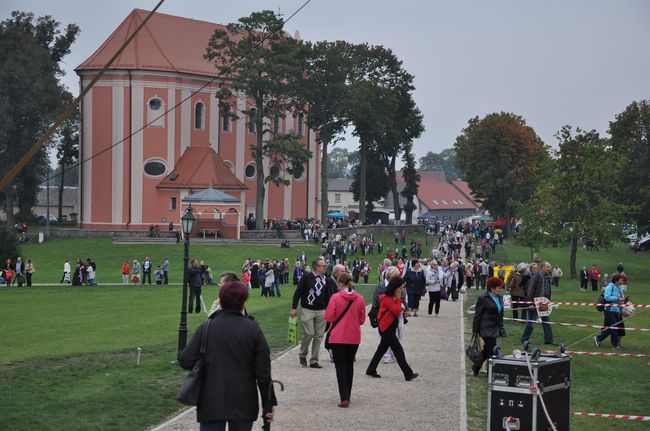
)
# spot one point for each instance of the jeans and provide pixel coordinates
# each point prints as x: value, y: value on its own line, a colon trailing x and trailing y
x: 483, y: 281
x: 389, y: 339
x: 165, y: 277
x: 528, y: 330
x: 313, y: 330
x: 413, y: 300
x: 611, y: 319
x: 221, y: 426
x: 344, y: 364
x: 515, y: 307
x: 434, y: 299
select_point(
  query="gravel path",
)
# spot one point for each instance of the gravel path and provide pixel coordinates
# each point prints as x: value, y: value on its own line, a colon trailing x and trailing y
x: 433, y: 401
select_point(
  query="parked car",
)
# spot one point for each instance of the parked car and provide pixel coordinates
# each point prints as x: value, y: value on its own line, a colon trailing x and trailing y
x: 43, y: 219
x: 641, y: 244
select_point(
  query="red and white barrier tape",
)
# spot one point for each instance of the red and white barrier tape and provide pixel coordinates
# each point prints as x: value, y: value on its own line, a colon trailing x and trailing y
x: 586, y: 304
x: 628, y: 355
x: 613, y: 416
x: 578, y: 325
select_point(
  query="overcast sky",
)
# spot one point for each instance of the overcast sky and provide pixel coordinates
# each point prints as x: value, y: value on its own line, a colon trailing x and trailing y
x: 554, y: 62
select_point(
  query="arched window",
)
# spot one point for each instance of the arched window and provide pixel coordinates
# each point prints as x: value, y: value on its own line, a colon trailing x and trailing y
x: 252, y: 126
x: 276, y: 125
x: 226, y: 118
x: 301, y: 119
x: 155, y: 111
x: 199, y: 110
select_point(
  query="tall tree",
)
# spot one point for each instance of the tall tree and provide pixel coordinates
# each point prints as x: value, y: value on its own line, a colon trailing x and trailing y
x: 375, y: 78
x: 376, y: 182
x: 338, y: 163
x: 630, y: 133
x: 30, y: 97
x: 67, y: 150
x: 502, y: 157
x: 324, y: 89
x: 578, y: 201
x: 411, y: 183
x: 443, y: 161
x: 263, y: 64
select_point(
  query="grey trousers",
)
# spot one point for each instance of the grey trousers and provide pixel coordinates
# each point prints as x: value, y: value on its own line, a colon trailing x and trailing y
x: 313, y: 330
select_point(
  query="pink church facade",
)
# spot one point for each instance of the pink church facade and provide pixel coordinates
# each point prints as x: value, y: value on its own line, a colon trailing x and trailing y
x: 143, y: 163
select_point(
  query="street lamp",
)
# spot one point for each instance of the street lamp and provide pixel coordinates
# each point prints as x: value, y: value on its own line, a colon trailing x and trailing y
x: 187, y: 222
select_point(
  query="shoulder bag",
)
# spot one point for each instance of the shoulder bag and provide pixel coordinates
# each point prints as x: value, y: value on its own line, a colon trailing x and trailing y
x: 190, y: 389
x: 472, y: 351
x: 328, y: 346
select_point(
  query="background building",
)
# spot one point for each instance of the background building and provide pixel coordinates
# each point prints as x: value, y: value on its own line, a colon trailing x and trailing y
x: 130, y: 183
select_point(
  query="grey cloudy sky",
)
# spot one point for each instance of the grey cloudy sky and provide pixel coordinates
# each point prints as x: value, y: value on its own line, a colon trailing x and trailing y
x: 554, y: 62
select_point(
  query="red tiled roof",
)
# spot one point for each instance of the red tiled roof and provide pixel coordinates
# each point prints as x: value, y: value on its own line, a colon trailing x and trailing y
x: 463, y: 187
x: 200, y: 168
x: 166, y: 43
x: 436, y: 193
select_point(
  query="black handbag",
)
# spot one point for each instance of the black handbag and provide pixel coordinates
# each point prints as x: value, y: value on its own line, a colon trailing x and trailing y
x: 328, y: 346
x: 190, y: 389
x: 472, y: 351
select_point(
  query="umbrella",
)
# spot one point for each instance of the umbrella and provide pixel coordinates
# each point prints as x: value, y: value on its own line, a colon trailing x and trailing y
x: 336, y: 214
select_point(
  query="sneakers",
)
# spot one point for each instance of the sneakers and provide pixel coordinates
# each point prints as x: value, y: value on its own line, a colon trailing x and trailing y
x: 596, y: 342
x: 412, y: 377
x: 315, y: 365
x: 617, y: 347
x: 303, y: 362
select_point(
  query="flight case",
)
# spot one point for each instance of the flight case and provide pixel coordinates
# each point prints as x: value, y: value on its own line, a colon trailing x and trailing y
x: 513, y: 405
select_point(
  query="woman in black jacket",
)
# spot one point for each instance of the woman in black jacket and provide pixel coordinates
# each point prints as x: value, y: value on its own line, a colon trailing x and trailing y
x: 488, y: 319
x: 237, y: 365
x: 415, y: 284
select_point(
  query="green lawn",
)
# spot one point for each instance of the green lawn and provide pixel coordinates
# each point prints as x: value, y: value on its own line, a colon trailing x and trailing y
x: 68, y: 354
x: 599, y: 384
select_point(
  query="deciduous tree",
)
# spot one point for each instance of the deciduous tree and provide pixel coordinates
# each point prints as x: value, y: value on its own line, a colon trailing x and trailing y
x: 501, y: 159
x: 411, y: 183
x: 443, y: 161
x: 630, y: 133
x: 263, y: 65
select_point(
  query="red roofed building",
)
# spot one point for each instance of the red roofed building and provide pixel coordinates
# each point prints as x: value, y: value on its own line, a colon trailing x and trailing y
x: 130, y: 183
x: 445, y: 201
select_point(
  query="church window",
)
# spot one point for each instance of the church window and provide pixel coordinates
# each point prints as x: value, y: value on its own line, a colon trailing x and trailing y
x: 301, y: 119
x: 155, y: 168
x: 155, y: 112
x: 250, y: 170
x: 198, y: 116
x: 252, y: 126
x: 226, y: 118
x: 276, y: 125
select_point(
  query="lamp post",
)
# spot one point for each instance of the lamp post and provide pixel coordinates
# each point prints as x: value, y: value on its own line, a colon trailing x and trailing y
x: 187, y: 222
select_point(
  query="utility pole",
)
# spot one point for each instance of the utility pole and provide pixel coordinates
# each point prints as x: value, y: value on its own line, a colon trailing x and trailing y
x: 47, y: 194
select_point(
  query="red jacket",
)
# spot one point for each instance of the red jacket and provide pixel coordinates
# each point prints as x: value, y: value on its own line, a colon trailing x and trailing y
x: 594, y: 273
x: 348, y: 330
x: 389, y: 310
x: 126, y: 269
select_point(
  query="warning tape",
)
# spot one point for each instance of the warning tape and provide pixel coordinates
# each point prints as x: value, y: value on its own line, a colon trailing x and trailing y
x: 578, y: 325
x: 587, y: 304
x: 628, y: 355
x: 613, y: 416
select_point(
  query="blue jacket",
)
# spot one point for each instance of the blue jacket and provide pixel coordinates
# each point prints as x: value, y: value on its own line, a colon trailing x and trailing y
x: 612, y: 296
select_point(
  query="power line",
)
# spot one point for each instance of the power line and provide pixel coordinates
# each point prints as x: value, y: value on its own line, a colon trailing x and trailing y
x: 210, y: 81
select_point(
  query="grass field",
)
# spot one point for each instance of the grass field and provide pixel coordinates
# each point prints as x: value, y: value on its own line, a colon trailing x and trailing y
x: 68, y: 354
x: 599, y: 384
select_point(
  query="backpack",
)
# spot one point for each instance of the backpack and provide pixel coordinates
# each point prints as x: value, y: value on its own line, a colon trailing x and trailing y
x: 372, y: 315
x: 601, y: 300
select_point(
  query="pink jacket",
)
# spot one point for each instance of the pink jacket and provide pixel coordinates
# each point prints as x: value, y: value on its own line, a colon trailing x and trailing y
x: 348, y: 330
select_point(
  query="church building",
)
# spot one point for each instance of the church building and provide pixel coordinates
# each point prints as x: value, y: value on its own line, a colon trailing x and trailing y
x: 146, y: 168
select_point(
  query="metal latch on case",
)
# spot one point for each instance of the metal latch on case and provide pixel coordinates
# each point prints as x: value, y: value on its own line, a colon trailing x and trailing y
x: 500, y: 379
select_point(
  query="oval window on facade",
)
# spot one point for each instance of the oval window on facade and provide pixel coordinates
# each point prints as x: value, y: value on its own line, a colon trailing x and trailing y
x: 155, y: 168
x: 250, y: 170
x: 155, y: 104
x: 274, y: 171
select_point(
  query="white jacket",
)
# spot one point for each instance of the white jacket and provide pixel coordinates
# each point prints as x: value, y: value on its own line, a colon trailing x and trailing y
x: 433, y: 279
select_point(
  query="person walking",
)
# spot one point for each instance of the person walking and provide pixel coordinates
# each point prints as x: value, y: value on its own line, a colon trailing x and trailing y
x: 269, y: 281
x: 483, y: 275
x: 584, y: 279
x: 451, y: 281
x: 415, y: 284
x: 556, y: 274
x: 66, y: 272
x: 488, y: 320
x: 613, y: 295
x: 346, y: 312
x: 313, y: 293
x: 237, y: 364
x: 539, y: 285
x: 390, y: 310
x: 126, y: 271
x: 29, y: 271
x: 516, y: 285
x: 195, y: 281
x: 433, y: 282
